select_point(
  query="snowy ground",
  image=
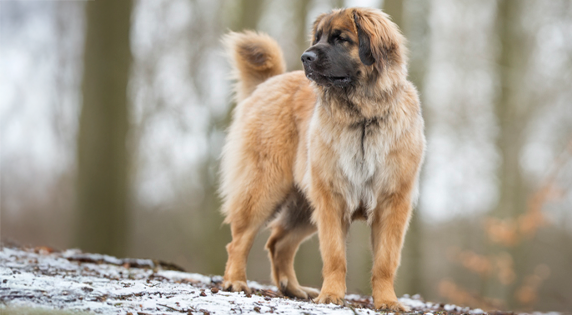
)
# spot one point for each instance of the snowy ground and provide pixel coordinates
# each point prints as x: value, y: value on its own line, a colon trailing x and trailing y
x: 72, y: 280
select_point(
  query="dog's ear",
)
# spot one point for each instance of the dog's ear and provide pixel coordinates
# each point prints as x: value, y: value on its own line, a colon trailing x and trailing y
x: 380, y: 42
x: 365, y: 54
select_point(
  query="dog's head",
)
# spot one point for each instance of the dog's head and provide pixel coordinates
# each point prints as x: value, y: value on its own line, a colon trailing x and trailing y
x: 350, y: 46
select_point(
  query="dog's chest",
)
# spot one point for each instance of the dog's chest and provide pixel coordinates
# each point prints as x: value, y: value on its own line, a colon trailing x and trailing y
x: 360, y: 151
x: 360, y: 162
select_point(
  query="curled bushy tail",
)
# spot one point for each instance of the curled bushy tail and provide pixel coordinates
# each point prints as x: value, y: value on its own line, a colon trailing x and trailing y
x: 255, y: 58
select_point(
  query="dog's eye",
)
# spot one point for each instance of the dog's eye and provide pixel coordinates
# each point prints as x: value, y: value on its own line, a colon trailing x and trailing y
x: 336, y: 37
x: 317, y: 38
x: 340, y: 39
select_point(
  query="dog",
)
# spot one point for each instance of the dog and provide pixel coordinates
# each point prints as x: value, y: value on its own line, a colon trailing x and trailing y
x: 314, y: 150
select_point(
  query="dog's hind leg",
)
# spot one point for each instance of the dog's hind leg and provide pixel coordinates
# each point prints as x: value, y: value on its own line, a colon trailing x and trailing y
x: 289, y: 230
x: 249, y: 208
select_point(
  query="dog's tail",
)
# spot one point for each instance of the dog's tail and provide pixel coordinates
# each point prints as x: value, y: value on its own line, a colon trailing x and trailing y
x: 255, y: 57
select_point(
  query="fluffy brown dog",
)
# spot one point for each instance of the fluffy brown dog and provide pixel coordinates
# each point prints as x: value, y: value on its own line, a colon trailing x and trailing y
x: 316, y: 151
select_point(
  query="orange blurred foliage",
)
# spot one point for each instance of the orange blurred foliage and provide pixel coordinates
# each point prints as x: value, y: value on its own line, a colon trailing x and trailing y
x: 458, y: 295
x: 527, y: 293
x: 500, y: 265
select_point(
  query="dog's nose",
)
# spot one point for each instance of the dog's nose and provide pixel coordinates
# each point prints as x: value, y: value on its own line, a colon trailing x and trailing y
x: 309, y: 56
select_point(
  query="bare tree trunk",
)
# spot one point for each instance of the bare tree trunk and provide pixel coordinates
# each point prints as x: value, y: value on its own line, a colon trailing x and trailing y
x: 512, y: 111
x: 395, y: 10
x: 303, y: 32
x: 102, y: 189
x: 336, y: 4
x: 414, y: 24
x: 250, y: 14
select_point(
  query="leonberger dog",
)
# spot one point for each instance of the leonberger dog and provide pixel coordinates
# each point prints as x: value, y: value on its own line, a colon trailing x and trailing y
x: 314, y: 150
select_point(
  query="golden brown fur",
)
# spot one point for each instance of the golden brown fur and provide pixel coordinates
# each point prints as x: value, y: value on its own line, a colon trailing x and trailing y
x: 322, y: 153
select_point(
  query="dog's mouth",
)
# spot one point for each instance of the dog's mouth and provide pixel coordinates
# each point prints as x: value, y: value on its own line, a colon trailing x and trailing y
x: 327, y: 80
x: 339, y: 80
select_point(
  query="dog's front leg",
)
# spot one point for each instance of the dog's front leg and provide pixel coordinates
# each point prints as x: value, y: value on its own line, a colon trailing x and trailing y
x: 388, y: 230
x: 332, y: 231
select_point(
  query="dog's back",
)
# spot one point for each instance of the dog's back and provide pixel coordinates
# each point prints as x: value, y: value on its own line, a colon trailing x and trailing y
x: 255, y: 58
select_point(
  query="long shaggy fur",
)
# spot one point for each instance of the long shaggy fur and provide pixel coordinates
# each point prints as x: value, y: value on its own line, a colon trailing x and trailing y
x: 314, y: 155
x: 255, y: 58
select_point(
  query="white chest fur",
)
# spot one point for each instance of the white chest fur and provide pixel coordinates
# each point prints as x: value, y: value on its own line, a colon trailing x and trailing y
x: 357, y: 165
x: 361, y: 155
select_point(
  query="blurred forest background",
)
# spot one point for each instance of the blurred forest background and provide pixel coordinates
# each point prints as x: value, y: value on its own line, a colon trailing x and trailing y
x: 113, y: 114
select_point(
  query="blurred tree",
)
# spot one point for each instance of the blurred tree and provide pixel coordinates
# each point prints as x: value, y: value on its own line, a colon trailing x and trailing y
x: 102, y: 191
x: 250, y: 12
x: 303, y: 32
x: 411, y: 17
x: 512, y: 112
x: 246, y: 17
x: 338, y: 4
x: 395, y: 10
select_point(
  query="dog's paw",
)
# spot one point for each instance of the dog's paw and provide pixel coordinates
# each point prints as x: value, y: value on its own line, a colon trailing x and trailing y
x: 236, y: 286
x: 326, y: 298
x: 394, y: 306
x: 297, y: 291
x: 311, y: 292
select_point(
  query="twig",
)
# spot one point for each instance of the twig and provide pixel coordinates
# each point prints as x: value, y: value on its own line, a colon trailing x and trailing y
x: 172, y: 308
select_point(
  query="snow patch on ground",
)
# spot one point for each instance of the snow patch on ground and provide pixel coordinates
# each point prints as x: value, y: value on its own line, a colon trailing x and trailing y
x: 72, y: 280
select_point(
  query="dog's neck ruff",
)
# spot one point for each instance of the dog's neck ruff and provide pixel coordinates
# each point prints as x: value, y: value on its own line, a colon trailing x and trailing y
x: 348, y: 107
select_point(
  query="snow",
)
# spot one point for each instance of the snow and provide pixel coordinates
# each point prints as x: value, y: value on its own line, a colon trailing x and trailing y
x: 449, y: 307
x: 72, y: 280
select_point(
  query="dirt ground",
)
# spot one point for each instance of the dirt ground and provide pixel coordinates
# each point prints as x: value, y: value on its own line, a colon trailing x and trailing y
x: 40, y: 280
